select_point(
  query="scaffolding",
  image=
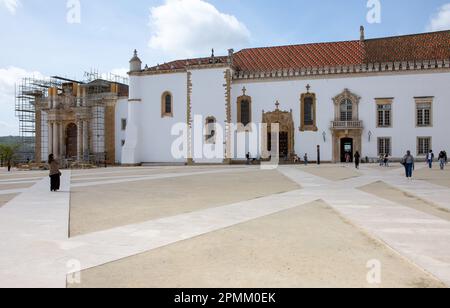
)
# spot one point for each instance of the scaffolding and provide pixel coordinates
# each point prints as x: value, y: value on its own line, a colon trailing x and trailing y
x: 100, y: 89
x: 29, y: 92
x: 32, y: 95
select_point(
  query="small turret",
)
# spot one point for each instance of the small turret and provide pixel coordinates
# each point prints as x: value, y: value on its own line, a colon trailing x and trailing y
x: 135, y: 63
x: 362, y: 37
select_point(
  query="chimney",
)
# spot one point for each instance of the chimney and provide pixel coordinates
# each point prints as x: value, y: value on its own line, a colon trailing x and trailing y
x: 230, y: 56
x: 362, y: 34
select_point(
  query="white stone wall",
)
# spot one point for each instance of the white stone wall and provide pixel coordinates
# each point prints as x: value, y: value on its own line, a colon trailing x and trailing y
x: 403, y: 88
x: 121, y: 113
x: 153, y: 138
x: 208, y: 100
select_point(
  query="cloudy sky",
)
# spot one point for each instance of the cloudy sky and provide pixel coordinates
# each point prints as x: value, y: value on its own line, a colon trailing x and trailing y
x: 44, y: 38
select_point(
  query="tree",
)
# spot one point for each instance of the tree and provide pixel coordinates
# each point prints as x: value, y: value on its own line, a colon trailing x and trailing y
x: 7, y: 153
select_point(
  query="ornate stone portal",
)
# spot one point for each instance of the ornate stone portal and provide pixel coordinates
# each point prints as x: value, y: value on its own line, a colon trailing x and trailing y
x: 346, y: 128
x: 286, y: 130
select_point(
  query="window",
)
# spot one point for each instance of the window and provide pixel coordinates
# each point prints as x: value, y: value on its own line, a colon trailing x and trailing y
x: 346, y: 110
x: 123, y: 142
x: 308, y: 112
x: 244, y: 110
x: 124, y: 124
x: 210, y: 130
x: 423, y: 146
x: 167, y: 105
x: 384, y: 113
x: 384, y: 146
x: 308, y: 117
x: 423, y: 109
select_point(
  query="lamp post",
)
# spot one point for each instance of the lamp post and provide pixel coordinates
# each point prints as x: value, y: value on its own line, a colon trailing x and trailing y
x: 318, y: 154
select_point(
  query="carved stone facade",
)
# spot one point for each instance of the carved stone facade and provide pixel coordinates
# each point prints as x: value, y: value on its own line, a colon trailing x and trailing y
x: 286, y: 128
x: 80, y: 122
x: 346, y: 128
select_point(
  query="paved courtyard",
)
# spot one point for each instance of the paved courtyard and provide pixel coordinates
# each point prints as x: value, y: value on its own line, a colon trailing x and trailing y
x: 226, y: 226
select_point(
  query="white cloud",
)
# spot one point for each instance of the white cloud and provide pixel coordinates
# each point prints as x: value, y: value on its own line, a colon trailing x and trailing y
x: 188, y: 28
x: 441, y: 20
x: 8, y: 78
x: 11, y: 5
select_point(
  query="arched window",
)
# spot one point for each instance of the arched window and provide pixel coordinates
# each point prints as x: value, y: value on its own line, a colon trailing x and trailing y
x: 308, y: 111
x: 244, y: 109
x: 245, y: 112
x: 167, y: 105
x: 210, y: 130
x: 346, y: 109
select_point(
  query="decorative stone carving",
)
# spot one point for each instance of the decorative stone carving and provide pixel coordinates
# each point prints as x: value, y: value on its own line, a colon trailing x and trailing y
x: 286, y: 124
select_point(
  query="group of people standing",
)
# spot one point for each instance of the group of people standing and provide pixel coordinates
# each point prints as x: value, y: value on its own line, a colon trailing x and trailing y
x: 384, y: 160
x: 442, y: 158
x: 408, y: 161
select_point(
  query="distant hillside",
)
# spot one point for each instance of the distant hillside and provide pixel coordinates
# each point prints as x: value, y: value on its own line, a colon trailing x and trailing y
x: 25, y: 151
x: 10, y: 140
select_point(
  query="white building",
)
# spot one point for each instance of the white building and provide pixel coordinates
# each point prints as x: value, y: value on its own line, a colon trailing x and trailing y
x: 375, y: 96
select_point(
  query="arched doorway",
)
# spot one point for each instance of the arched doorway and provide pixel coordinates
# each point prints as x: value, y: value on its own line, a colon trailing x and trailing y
x: 286, y: 133
x: 346, y: 149
x: 71, y: 140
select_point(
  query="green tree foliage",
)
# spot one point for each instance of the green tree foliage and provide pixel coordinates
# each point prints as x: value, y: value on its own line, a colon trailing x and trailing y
x: 7, y: 153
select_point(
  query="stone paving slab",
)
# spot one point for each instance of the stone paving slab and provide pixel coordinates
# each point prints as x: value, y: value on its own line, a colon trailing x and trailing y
x: 102, y: 247
x: 422, y: 238
x: 31, y: 223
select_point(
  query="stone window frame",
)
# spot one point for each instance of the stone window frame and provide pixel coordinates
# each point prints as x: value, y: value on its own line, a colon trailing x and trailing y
x: 210, y: 139
x: 384, y: 102
x: 355, y: 99
x: 424, y: 100
x: 379, y: 148
x: 240, y: 99
x: 164, y: 113
x: 430, y: 146
x: 303, y: 126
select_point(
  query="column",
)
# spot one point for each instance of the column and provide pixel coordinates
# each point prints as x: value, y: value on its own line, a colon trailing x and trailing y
x: 55, y: 140
x: 85, y: 140
x: 62, y: 143
x: 50, y: 138
x: 79, y: 140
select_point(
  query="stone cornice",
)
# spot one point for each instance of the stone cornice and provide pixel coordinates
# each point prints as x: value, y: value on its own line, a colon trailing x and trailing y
x: 348, y: 71
x: 180, y: 70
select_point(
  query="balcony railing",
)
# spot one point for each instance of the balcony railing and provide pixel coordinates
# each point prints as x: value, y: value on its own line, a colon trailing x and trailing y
x: 346, y: 125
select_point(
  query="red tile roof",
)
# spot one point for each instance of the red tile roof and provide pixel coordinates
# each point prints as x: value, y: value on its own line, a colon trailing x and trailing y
x: 427, y: 46
x: 300, y: 56
x: 417, y: 47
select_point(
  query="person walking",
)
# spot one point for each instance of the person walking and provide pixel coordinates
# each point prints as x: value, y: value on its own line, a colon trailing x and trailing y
x: 442, y: 160
x: 248, y: 158
x: 430, y: 159
x: 9, y: 165
x: 381, y: 160
x: 55, y: 174
x: 305, y: 159
x: 408, y: 162
x: 386, y: 161
x: 357, y: 159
